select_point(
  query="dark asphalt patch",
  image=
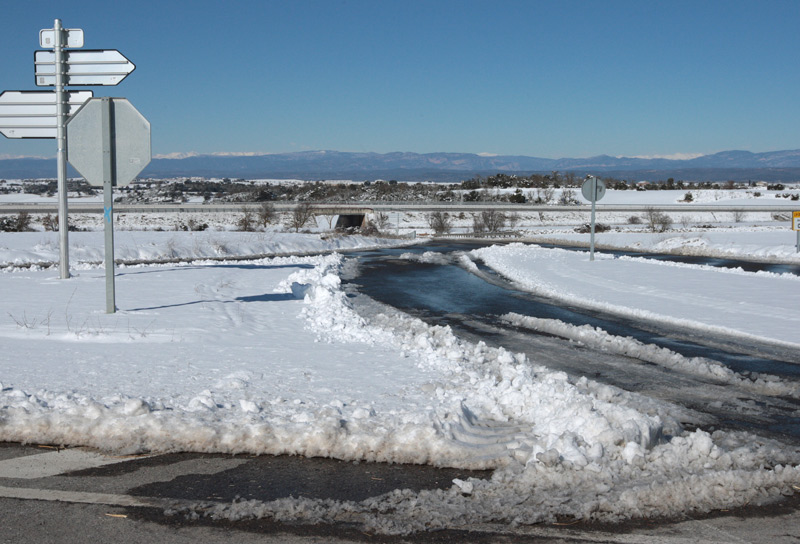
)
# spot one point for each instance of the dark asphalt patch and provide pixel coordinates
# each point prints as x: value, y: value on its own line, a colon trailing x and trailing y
x: 267, y: 478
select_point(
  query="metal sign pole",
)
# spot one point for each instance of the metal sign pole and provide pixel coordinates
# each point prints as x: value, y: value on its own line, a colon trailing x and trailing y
x: 61, y: 158
x: 594, y: 201
x: 108, y: 202
x: 593, y: 190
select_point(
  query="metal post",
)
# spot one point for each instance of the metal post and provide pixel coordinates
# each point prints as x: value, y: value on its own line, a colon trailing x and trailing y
x: 61, y: 158
x: 108, y: 202
x: 798, y: 242
x: 594, y: 201
x: 591, y: 251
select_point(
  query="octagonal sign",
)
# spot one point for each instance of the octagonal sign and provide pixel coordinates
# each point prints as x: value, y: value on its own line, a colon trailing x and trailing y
x: 128, y: 134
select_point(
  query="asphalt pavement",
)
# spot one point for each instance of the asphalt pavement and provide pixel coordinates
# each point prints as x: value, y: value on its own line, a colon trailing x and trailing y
x: 78, y: 495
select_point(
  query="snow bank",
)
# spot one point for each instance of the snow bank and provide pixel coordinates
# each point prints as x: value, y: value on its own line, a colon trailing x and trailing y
x: 748, y: 305
x: 561, y: 449
x: 769, y: 244
x: 597, y: 338
x: 87, y: 247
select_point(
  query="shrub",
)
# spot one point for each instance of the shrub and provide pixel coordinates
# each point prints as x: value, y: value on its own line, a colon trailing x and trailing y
x: 266, y: 213
x: 440, y: 222
x: 247, y: 221
x: 657, y: 221
x: 382, y: 221
x: 587, y: 227
x: 301, y: 215
x: 19, y: 223
x: 50, y: 223
x: 517, y: 197
x: 568, y: 198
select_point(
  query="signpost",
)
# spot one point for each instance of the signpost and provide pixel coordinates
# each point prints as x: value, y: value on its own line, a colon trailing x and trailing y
x: 796, y: 227
x: 593, y: 189
x: 33, y: 114
x: 109, y: 146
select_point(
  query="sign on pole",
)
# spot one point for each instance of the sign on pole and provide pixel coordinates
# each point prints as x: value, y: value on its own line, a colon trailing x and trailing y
x: 593, y: 189
x: 109, y: 145
x: 32, y: 114
x: 86, y: 67
x: 796, y: 226
x: 130, y: 146
x: 74, y: 37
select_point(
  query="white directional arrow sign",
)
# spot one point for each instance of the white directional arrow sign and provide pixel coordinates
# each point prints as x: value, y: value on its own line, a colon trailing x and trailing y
x: 84, y: 67
x: 32, y: 114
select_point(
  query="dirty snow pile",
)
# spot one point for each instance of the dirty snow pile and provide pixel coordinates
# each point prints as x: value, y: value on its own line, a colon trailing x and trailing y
x: 269, y: 356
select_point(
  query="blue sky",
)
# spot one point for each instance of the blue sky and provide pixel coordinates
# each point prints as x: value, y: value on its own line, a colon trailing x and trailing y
x: 539, y: 78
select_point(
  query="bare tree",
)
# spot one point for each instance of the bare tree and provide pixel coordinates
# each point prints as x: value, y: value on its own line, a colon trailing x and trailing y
x: 301, y: 215
x: 513, y: 219
x: 382, y: 220
x: 567, y: 198
x: 266, y: 214
x: 247, y: 221
x: 477, y: 223
x: 544, y: 195
x: 440, y: 222
x: 657, y: 221
x: 493, y: 220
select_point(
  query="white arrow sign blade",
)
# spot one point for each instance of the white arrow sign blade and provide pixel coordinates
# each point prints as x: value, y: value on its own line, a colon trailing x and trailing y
x: 84, y: 67
x: 32, y: 114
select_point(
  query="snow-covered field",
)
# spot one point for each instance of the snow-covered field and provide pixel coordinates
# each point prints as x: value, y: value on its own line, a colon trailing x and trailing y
x: 269, y: 356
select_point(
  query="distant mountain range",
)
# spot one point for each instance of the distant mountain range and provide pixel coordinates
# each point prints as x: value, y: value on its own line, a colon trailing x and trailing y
x: 316, y: 165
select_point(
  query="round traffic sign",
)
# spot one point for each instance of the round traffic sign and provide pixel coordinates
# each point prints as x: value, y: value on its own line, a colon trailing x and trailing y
x: 593, y: 189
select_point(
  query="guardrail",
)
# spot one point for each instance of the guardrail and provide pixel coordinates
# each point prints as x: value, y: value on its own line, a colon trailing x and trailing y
x: 335, y: 208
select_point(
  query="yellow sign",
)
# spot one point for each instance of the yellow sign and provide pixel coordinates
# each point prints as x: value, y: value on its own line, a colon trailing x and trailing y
x: 795, y: 220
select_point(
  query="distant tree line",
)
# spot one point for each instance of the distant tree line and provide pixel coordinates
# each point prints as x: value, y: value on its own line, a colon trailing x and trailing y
x: 554, y: 187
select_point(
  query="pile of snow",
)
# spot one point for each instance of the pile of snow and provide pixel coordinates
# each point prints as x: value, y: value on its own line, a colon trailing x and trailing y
x: 428, y: 257
x: 770, y: 244
x: 579, y: 450
x: 749, y: 305
x: 597, y: 338
x: 42, y: 248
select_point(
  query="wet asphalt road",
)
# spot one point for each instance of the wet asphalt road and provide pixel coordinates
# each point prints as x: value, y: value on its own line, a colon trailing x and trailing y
x: 127, y: 501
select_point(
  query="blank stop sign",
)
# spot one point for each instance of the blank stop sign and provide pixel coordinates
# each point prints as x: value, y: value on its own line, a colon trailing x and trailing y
x: 112, y: 125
